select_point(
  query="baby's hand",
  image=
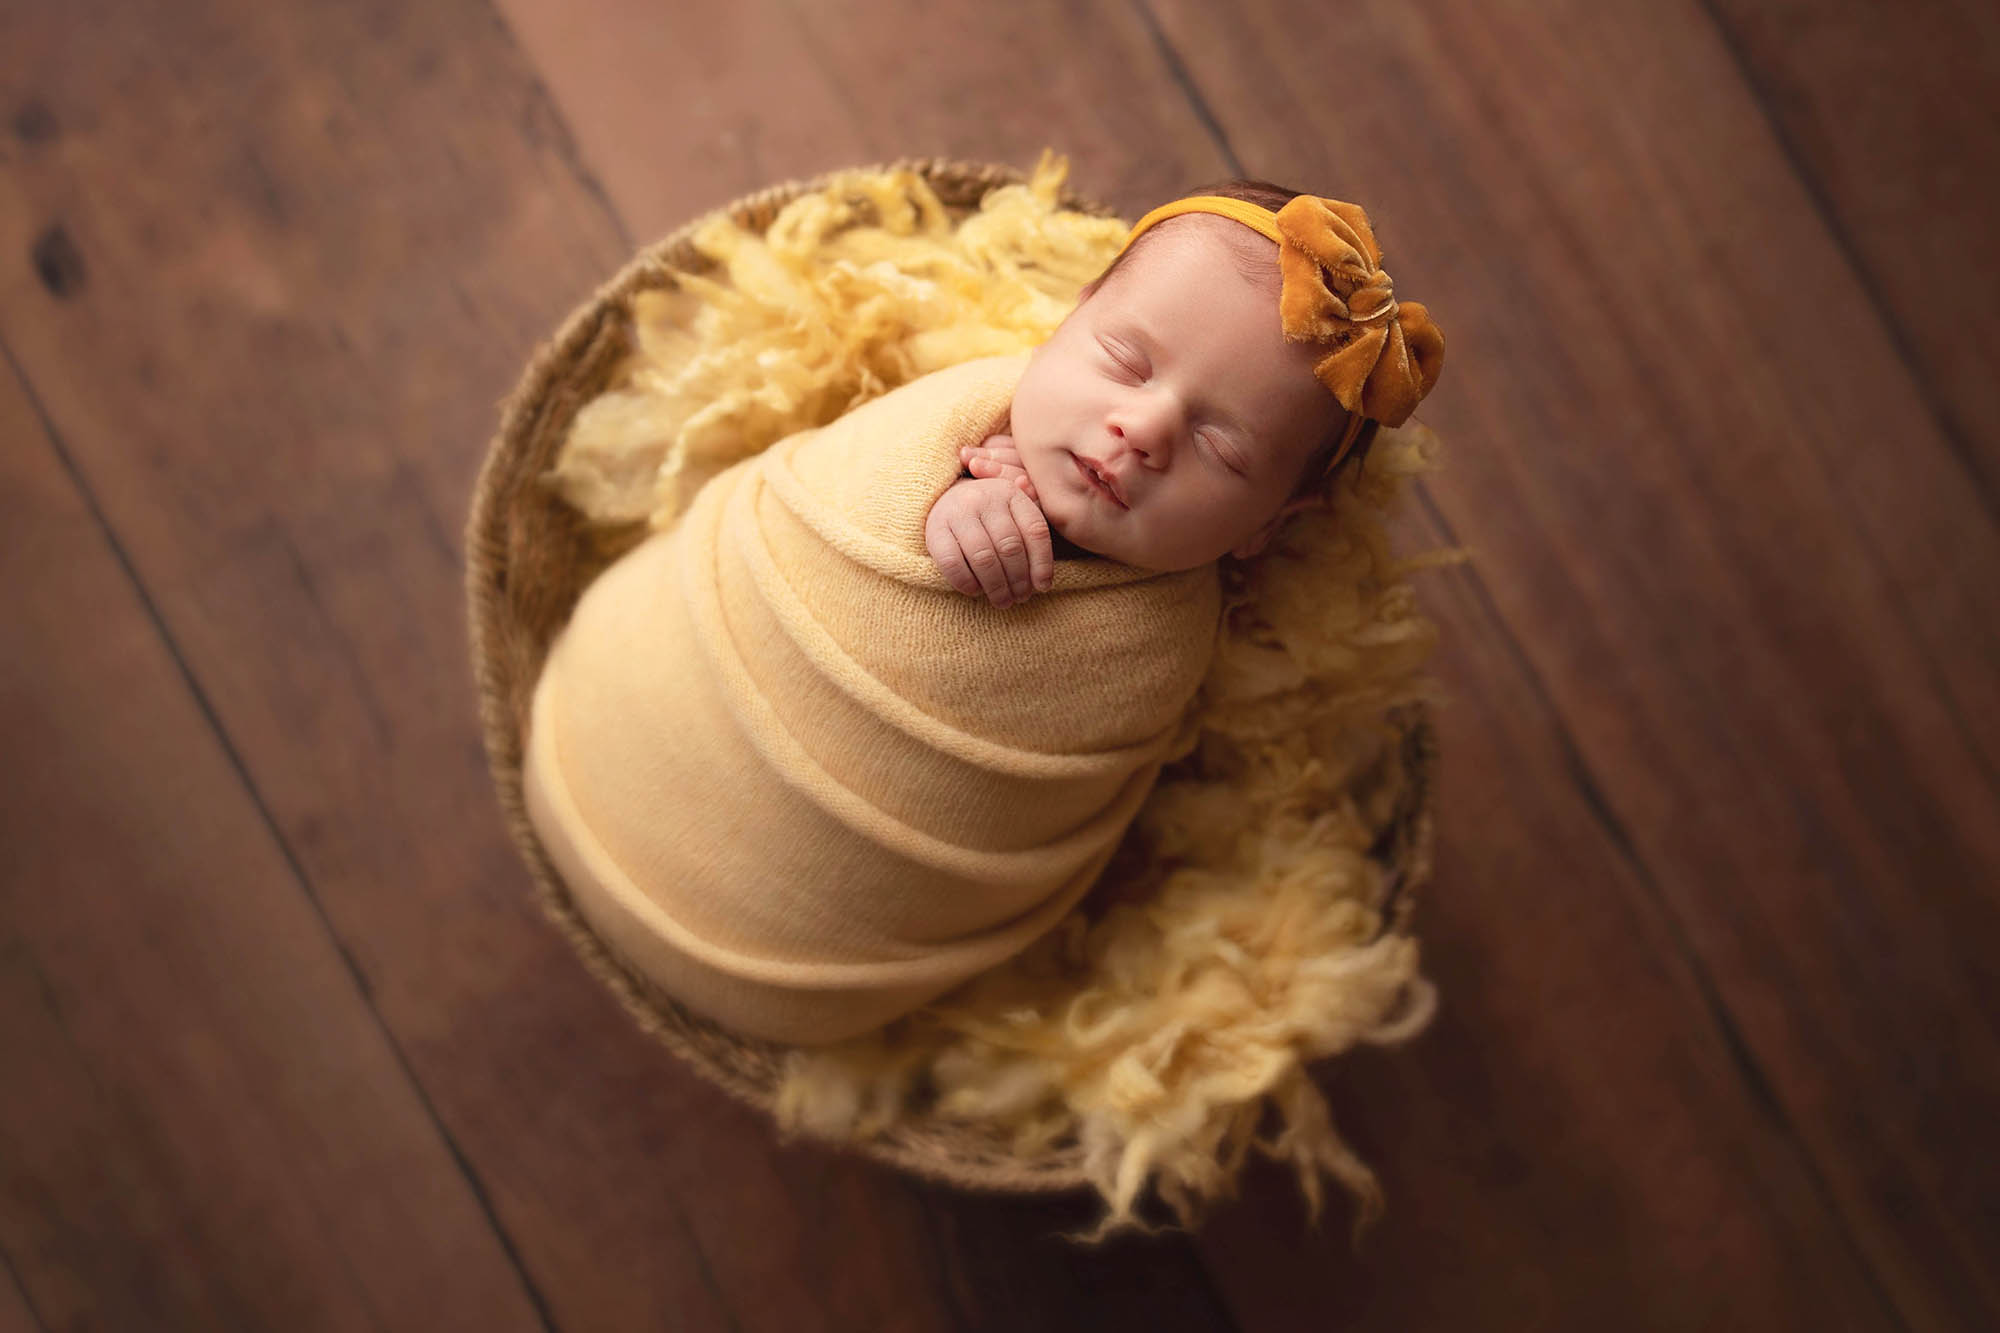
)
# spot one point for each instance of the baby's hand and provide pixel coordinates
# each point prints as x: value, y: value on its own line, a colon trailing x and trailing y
x: 998, y: 457
x: 987, y: 535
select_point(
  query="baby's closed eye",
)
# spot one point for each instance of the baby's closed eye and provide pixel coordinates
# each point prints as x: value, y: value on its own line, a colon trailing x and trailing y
x: 1225, y: 452
x: 1122, y: 363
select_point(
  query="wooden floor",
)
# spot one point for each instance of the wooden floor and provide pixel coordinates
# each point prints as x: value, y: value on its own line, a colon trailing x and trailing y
x: 286, y: 1043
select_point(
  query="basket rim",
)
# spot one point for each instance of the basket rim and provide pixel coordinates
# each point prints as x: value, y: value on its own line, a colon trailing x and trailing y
x: 747, y: 1068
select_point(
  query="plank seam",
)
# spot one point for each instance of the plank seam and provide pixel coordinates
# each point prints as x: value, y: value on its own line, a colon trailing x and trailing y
x: 206, y: 707
x: 27, y: 1301
x: 1982, y: 485
x: 565, y: 139
x: 1178, y: 71
x: 1947, y: 426
x: 703, y: 1269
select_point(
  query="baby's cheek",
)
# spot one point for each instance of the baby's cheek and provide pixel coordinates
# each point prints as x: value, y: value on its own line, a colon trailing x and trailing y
x: 1036, y: 465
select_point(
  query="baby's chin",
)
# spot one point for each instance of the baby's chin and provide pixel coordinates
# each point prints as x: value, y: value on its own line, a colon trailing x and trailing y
x: 1078, y: 530
x: 1065, y: 549
x: 1070, y: 543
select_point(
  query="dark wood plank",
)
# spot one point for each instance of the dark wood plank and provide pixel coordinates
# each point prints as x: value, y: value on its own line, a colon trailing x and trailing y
x: 294, y: 256
x: 15, y: 1314
x: 303, y: 307
x: 769, y: 91
x: 1739, y: 602
x: 204, y: 1126
x: 1573, y: 1144
x: 1892, y: 127
x: 277, y: 354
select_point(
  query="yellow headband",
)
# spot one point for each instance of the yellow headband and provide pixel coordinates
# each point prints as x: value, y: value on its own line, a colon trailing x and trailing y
x: 1254, y: 216
x: 1384, y: 355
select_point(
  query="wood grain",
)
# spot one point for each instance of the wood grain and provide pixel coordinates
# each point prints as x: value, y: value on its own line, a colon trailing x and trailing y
x: 1706, y: 561
x: 142, y: 1011
x: 1891, y: 127
x: 272, y: 324
x: 16, y: 1316
x: 1574, y: 1143
x: 1718, y: 839
x: 680, y: 111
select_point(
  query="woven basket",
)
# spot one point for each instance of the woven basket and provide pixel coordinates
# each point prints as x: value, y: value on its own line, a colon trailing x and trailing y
x: 529, y: 558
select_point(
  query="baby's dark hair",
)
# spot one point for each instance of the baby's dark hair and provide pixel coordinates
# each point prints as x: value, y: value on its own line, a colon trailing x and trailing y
x: 1314, y: 476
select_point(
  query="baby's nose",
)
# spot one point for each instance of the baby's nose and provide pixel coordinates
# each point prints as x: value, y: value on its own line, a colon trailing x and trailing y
x: 1147, y: 435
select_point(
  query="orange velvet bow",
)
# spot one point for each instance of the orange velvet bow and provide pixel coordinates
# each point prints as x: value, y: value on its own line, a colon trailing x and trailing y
x: 1386, y: 354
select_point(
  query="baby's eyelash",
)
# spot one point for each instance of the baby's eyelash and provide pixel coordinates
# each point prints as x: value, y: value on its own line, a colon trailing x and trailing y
x: 1123, y: 364
x: 1222, y: 456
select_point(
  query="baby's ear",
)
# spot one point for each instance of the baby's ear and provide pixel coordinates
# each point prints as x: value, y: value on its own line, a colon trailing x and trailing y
x: 1255, y: 543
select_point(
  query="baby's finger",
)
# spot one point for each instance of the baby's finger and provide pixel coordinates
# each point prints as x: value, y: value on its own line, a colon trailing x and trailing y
x: 983, y: 559
x: 951, y: 563
x: 973, y: 456
x: 1012, y: 548
x: 1034, y: 525
x: 1014, y: 472
x: 983, y: 467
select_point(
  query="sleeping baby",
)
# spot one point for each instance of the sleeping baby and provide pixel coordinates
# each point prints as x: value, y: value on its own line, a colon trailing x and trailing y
x: 859, y: 726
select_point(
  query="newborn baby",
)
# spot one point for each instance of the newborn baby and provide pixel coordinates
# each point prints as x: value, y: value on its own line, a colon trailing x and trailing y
x: 797, y: 782
x: 1166, y: 423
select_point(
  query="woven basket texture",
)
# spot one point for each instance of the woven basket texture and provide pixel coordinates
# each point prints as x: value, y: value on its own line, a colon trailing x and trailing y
x: 529, y: 558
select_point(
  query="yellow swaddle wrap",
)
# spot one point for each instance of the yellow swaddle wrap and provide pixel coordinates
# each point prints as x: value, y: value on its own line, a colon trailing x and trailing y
x: 801, y: 784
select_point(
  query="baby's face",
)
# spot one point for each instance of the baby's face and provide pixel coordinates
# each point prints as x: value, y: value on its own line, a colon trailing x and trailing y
x: 1173, y: 381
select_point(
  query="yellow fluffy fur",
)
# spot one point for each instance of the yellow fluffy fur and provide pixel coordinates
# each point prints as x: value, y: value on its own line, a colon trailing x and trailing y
x: 1240, y: 943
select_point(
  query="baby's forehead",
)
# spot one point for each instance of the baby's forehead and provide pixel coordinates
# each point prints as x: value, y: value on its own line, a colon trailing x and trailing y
x: 1197, y: 245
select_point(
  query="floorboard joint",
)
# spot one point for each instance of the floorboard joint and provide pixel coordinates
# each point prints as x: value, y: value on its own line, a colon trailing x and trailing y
x: 1939, y: 412
x: 1986, y: 487
x: 564, y: 137
x: 233, y: 757
x: 13, y: 1276
x: 1759, y: 1085
x: 1183, y: 78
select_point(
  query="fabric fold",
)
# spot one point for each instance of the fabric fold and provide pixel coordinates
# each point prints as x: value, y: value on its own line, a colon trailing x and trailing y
x: 798, y: 782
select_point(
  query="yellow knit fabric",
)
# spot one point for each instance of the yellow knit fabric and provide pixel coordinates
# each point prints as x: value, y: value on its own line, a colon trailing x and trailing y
x: 804, y: 786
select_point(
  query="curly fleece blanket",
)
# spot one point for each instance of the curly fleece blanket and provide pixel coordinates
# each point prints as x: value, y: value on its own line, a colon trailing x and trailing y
x: 800, y: 783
